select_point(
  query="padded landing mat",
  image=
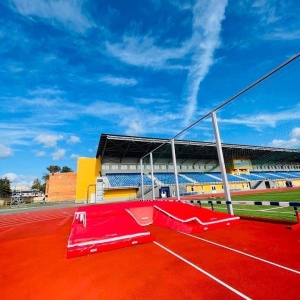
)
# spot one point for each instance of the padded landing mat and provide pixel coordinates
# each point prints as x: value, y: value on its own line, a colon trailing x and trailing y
x: 190, y: 219
x: 103, y: 227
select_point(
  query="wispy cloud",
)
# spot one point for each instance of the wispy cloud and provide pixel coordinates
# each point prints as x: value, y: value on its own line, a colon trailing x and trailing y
x: 39, y: 91
x: 73, y: 139
x: 283, y: 34
x: 5, y: 151
x: 39, y: 153
x: 195, y: 54
x: 207, y: 19
x: 118, y: 81
x: 66, y: 13
x: 150, y: 100
x: 142, y: 52
x: 267, y: 10
x: 293, y: 142
x: 262, y: 120
x: 59, y: 154
x: 48, y: 141
x: 129, y: 118
x: 277, y: 20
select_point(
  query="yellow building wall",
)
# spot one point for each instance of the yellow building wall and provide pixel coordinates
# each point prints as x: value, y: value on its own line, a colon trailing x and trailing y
x: 295, y: 182
x: 116, y: 194
x: 87, y: 171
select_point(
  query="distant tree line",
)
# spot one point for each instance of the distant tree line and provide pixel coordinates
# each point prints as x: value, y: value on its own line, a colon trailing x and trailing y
x: 37, y: 184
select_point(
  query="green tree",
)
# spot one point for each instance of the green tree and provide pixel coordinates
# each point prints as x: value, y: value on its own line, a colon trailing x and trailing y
x: 5, y: 190
x: 54, y: 169
x: 66, y: 169
x: 45, y: 177
x: 37, y: 185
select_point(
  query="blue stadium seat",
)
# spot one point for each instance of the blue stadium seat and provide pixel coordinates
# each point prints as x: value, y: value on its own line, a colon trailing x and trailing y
x: 125, y: 180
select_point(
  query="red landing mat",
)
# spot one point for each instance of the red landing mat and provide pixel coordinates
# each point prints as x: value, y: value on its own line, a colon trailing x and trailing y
x: 190, y: 219
x: 103, y: 227
x: 96, y: 230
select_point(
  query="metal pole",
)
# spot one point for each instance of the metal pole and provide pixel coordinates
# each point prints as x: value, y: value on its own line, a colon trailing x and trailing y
x: 152, y: 176
x: 142, y: 178
x: 222, y: 163
x: 175, y: 169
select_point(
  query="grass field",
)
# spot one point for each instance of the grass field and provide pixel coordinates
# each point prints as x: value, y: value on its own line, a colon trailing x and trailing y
x: 269, y: 212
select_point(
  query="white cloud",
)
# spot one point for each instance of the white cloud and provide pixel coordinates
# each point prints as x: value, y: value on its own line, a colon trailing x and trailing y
x: 11, y: 176
x: 118, y: 81
x: 74, y: 156
x: 5, y: 151
x: 39, y: 153
x: 48, y: 141
x: 58, y: 154
x: 67, y: 13
x: 73, y: 139
x: 267, y: 10
x: 263, y: 120
x: 293, y: 142
x: 143, y: 51
x: 296, y: 132
x: 150, y: 100
x: 45, y: 92
x: 18, y: 181
x: 207, y: 19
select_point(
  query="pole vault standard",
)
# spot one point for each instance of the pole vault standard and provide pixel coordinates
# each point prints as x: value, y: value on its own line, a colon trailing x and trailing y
x: 222, y: 163
x: 152, y: 176
x: 175, y: 169
x: 142, y: 178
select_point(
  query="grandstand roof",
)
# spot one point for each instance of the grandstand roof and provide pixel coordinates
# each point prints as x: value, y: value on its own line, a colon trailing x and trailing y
x: 121, y: 146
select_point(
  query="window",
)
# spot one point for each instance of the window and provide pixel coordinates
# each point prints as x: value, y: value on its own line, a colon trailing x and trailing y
x: 132, y: 167
x: 124, y: 167
x: 105, y: 167
x: 114, y: 167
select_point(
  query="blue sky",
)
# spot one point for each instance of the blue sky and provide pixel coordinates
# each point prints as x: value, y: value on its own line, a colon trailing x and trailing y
x: 71, y: 70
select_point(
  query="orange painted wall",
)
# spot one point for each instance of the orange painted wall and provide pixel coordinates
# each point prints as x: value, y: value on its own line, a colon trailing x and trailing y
x: 62, y: 186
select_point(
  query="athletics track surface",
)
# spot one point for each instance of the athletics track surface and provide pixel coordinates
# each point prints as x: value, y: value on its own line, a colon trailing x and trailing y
x: 260, y: 261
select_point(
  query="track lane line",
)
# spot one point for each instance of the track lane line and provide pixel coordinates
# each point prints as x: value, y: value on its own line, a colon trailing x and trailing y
x: 243, y: 253
x: 203, y: 271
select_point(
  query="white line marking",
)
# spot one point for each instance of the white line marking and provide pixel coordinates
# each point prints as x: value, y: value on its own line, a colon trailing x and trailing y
x: 196, y: 219
x: 113, y: 239
x: 267, y: 209
x: 204, y: 272
x: 243, y: 253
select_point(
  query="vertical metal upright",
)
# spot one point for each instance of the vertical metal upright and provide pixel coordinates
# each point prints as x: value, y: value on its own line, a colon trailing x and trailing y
x: 142, y: 178
x: 152, y: 176
x: 175, y: 168
x: 222, y: 163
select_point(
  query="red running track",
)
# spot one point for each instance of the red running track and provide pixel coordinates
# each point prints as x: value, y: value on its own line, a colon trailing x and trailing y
x: 33, y: 263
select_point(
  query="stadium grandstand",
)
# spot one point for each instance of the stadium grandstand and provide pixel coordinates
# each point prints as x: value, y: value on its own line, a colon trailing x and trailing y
x: 123, y: 177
